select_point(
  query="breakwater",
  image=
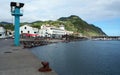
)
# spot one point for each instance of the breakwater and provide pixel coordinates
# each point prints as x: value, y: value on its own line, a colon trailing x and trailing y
x: 29, y: 43
x: 34, y: 42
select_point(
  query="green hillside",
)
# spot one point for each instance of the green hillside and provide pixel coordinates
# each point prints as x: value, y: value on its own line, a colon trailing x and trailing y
x: 73, y: 23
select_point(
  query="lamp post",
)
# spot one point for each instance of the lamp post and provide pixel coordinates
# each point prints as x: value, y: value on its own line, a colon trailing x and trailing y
x: 15, y: 11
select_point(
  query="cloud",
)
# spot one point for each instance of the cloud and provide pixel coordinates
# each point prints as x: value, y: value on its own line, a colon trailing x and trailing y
x: 90, y: 10
x: 98, y: 10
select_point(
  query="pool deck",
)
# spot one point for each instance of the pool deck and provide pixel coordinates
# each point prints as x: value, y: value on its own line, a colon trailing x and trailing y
x: 19, y: 61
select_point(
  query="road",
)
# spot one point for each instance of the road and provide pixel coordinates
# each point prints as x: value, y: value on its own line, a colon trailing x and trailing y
x: 5, y: 44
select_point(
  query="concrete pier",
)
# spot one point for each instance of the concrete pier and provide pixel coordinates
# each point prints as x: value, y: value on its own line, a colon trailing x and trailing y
x: 18, y: 61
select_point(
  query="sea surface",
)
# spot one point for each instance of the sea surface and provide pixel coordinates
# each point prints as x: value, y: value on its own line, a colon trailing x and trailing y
x: 82, y: 57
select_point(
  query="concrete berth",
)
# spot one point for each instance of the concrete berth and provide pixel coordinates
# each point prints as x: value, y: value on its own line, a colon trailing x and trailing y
x: 18, y: 61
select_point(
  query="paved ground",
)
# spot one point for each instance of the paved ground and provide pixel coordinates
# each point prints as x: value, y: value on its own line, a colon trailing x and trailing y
x: 18, y: 61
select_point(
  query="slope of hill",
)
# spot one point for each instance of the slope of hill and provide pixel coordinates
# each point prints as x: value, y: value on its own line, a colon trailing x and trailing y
x: 7, y: 25
x: 73, y: 23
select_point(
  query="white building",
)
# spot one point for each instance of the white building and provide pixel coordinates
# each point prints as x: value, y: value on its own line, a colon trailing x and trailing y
x: 69, y: 32
x: 46, y: 31
x: 28, y: 29
x: 51, y: 31
x: 2, y: 32
x: 62, y: 27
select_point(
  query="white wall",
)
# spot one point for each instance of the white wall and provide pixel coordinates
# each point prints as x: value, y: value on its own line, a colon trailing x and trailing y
x: 28, y: 29
x: 2, y: 32
x: 49, y: 31
x: 62, y: 27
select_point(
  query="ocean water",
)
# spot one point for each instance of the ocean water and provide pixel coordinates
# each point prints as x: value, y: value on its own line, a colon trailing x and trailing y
x: 82, y: 57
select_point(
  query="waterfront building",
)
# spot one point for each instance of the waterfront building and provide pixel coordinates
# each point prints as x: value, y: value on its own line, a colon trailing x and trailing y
x: 45, y: 31
x: 2, y: 32
x: 52, y: 31
x: 68, y: 32
x: 29, y: 31
x: 62, y: 27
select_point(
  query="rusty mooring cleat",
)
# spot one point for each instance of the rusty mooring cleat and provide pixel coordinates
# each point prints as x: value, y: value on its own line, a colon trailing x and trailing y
x: 45, y: 67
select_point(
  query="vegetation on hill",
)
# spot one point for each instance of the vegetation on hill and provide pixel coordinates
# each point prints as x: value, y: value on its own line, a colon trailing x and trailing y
x: 78, y: 25
x: 6, y: 25
x: 71, y: 23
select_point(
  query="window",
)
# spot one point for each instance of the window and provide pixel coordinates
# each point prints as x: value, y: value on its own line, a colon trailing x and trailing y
x: 21, y: 31
x: 25, y: 27
x: 35, y: 32
x: 10, y: 33
x: 0, y: 34
x: 28, y: 31
x: 46, y: 33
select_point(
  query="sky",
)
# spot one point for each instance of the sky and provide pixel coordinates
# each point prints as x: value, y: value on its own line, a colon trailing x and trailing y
x: 102, y: 13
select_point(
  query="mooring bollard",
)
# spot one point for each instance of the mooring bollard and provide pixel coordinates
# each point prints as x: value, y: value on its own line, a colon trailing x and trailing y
x: 45, y: 67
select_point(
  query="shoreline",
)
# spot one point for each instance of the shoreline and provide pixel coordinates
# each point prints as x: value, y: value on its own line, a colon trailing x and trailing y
x: 30, y: 43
